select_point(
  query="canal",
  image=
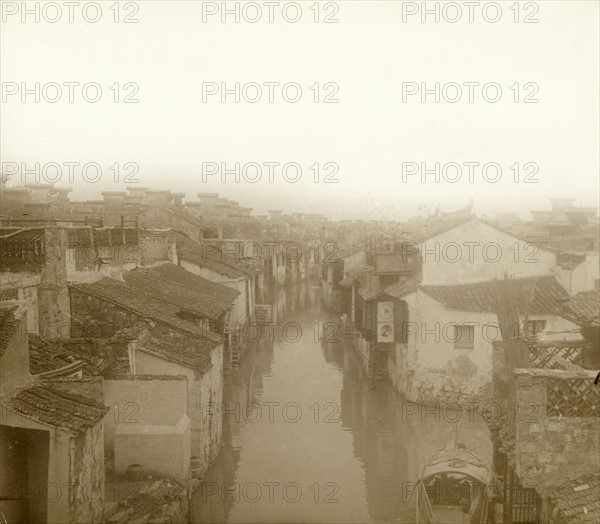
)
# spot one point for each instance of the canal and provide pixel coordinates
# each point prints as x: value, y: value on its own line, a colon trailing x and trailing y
x: 308, y: 439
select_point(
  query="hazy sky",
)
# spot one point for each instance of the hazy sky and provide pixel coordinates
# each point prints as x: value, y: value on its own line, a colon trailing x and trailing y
x: 369, y: 134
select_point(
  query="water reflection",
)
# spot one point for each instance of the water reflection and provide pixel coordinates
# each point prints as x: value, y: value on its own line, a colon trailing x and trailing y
x: 306, y: 439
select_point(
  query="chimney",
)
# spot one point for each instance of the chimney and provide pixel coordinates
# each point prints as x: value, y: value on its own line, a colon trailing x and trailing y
x: 157, y: 197
x: 178, y: 199
x: 113, y: 198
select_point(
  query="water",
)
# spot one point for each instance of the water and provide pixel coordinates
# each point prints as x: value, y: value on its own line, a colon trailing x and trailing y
x: 306, y: 438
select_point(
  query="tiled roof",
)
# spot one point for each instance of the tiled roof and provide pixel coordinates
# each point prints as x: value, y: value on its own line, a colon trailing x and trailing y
x: 46, y: 356
x: 58, y: 408
x: 139, y: 302
x: 578, y: 501
x: 10, y: 320
x: 219, y: 262
x: 163, y: 293
x: 143, y: 304
x: 584, y: 307
x: 178, y: 286
x: 482, y: 296
x: 63, y: 357
x: 190, y: 358
x: 403, y: 287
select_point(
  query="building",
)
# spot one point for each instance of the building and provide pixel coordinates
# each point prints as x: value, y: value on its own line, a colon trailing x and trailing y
x: 451, y: 331
x: 438, y: 290
x: 51, y: 442
x: 38, y: 263
x: 547, y: 435
x: 175, y: 321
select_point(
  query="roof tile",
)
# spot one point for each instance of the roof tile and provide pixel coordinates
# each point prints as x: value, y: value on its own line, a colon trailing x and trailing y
x: 58, y: 408
x: 578, y: 500
x: 481, y: 296
x: 584, y: 306
x: 10, y: 320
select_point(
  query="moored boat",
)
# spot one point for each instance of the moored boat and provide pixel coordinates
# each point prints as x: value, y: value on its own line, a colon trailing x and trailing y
x: 452, y: 488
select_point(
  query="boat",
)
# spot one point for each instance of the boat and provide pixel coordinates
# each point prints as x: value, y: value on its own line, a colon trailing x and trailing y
x: 452, y: 488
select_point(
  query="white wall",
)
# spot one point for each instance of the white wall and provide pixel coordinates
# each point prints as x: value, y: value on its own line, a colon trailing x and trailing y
x: 161, y: 450
x: 206, y: 429
x: 142, y: 402
x: 431, y: 350
x: 434, y: 360
x: 583, y: 277
x: 475, y: 251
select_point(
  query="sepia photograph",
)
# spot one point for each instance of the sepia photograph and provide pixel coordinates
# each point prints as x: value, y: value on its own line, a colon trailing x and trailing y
x: 299, y: 262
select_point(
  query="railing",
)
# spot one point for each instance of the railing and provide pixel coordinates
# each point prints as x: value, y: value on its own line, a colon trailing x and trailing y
x: 22, y: 250
x: 524, y: 502
x: 549, y: 355
x: 567, y: 393
x: 574, y: 397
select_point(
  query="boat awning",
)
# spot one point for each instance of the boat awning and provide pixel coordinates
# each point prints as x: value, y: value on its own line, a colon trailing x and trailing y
x: 456, y: 460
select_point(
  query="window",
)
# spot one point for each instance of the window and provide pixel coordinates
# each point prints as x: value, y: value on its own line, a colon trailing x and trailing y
x: 464, y: 337
x: 534, y: 327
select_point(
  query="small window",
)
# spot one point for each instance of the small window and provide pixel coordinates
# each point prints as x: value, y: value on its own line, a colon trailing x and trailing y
x: 534, y: 328
x: 464, y: 337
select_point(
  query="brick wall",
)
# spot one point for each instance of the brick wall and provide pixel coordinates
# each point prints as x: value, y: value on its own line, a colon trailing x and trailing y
x: 86, y: 489
x: 53, y: 292
x: 550, y: 449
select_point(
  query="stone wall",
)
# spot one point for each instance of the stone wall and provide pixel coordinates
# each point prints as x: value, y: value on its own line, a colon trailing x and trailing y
x: 86, y: 490
x: 551, y: 449
x: 53, y: 293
